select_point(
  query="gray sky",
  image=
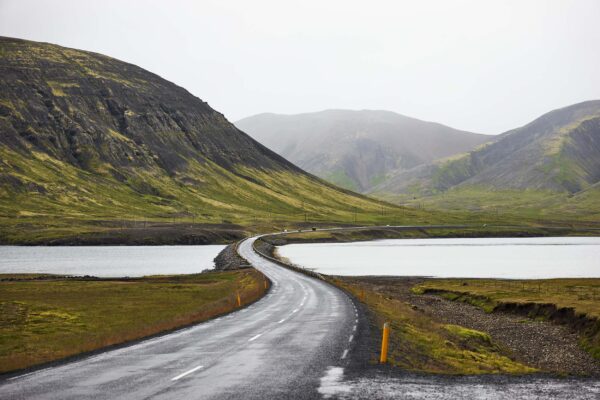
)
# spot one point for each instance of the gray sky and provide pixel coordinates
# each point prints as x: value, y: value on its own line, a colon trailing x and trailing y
x: 475, y: 65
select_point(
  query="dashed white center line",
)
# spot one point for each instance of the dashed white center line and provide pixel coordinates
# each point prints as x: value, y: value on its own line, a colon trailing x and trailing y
x: 345, y: 354
x: 282, y: 321
x: 351, y: 337
x: 354, y: 329
x: 253, y: 338
x: 295, y: 311
x: 356, y: 321
x: 187, y: 373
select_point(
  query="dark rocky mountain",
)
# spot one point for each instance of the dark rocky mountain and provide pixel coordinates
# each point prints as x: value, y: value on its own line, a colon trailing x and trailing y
x: 86, y: 136
x: 357, y: 149
x: 559, y: 151
x: 88, y: 109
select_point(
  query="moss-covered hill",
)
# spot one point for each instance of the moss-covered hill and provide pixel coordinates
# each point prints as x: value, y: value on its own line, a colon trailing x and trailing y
x: 85, y: 137
x: 559, y: 151
x: 548, y: 169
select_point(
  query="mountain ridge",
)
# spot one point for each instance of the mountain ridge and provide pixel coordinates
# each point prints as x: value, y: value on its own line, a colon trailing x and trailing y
x: 556, y: 151
x: 357, y: 148
x: 86, y: 137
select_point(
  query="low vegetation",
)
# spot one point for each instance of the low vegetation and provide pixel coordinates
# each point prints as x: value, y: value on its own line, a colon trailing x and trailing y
x: 575, y: 302
x: 46, y: 318
x: 533, y: 206
x: 456, y: 231
x: 418, y: 343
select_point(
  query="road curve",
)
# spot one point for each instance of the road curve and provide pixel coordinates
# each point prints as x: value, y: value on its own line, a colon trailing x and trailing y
x: 279, y: 347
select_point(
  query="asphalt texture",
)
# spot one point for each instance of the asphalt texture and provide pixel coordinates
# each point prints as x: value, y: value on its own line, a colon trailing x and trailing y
x: 279, y: 347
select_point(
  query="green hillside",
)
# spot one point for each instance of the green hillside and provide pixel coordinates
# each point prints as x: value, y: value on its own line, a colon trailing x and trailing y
x: 89, y: 143
x: 547, y: 169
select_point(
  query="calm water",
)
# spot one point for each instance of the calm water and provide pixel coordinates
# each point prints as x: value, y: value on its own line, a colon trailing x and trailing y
x: 466, y: 258
x: 108, y: 261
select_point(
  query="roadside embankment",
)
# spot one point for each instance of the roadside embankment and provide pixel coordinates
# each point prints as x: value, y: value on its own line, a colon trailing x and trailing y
x: 574, y: 303
x: 413, y: 232
x: 54, y: 318
x: 552, y: 328
x: 418, y: 343
x: 229, y: 259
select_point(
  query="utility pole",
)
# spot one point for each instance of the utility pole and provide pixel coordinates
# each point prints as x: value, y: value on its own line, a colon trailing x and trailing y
x: 304, y: 211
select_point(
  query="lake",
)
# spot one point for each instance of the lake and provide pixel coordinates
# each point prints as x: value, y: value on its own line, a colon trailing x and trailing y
x: 108, y: 261
x: 524, y: 258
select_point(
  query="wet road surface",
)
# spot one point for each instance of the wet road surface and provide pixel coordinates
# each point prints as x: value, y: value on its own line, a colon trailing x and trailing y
x: 279, y: 347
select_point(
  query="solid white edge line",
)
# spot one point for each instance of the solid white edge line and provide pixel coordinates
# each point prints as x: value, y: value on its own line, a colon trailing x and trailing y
x: 255, y: 337
x: 187, y: 373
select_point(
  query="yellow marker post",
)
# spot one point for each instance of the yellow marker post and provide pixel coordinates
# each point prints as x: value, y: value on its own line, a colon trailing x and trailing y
x: 384, y: 343
x: 239, y: 299
x: 266, y: 286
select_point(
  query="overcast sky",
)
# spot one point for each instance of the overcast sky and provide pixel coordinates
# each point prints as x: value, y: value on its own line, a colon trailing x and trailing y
x: 476, y: 65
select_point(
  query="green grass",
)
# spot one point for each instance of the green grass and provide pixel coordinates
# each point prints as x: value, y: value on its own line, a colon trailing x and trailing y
x: 49, y: 198
x: 511, y: 206
x: 47, y: 319
x: 581, y: 295
x: 418, y: 343
x: 341, y: 179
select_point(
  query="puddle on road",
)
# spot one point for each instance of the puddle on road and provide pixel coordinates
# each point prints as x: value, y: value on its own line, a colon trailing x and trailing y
x: 418, y: 388
x: 332, y: 383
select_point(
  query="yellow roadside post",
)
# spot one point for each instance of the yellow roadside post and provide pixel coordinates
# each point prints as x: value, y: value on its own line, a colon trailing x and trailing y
x: 266, y: 286
x: 239, y: 299
x: 384, y: 343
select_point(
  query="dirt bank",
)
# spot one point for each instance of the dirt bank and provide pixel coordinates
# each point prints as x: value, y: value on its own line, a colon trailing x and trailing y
x: 548, y: 346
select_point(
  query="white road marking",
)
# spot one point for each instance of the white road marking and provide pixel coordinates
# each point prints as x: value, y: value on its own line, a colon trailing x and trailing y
x: 354, y: 329
x: 351, y: 337
x: 295, y: 311
x: 356, y: 321
x: 187, y: 373
x: 282, y: 321
x: 345, y: 354
x: 255, y: 337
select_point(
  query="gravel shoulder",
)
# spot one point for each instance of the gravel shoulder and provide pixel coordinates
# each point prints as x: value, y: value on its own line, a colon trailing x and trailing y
x: 544, y: 345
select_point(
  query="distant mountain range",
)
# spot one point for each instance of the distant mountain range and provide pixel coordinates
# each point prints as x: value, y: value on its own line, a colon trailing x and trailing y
x: 559, y: 152
x: 397, y: 158
x: 358, y: 150
x: 87, y: 137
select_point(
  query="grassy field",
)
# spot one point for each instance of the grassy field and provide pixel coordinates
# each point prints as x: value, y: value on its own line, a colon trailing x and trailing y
x: 511, y: 205
x: 418, y: 343
x: 55, y: 199
x: 548, y: 299
x: 50, y: 318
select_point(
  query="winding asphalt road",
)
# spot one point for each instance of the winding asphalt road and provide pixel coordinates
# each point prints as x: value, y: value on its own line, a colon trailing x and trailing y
x: 279, y: 347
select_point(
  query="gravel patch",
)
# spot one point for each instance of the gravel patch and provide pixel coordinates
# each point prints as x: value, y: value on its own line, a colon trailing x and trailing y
x: 547, y: 346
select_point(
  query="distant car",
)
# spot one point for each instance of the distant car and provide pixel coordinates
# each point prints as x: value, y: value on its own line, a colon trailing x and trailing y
x: 314, y: 229
x: 388, y: 225
x: 285, y: 230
